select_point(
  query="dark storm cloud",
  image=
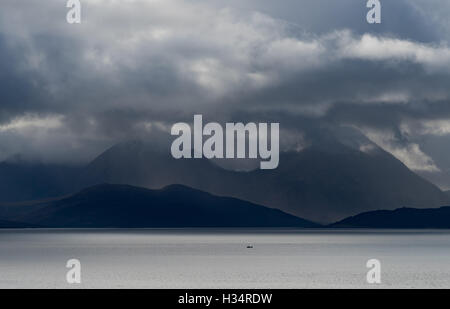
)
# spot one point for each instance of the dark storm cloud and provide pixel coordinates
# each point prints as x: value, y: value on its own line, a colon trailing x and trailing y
x: 19, y: 91
x: 132, y: 68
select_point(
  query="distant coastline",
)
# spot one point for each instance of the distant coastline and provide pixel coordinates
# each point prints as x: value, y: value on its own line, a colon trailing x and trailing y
x: 180, y: 207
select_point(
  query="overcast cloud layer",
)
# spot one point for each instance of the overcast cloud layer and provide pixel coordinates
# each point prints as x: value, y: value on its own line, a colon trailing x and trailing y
x: 135, y: 67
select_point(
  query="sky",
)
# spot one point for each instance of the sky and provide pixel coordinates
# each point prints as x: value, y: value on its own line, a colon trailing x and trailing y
x: 135, y: 67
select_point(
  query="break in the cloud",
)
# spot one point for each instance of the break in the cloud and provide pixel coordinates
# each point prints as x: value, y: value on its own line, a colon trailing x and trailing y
x: 408, y: 153
x: 131, y: 67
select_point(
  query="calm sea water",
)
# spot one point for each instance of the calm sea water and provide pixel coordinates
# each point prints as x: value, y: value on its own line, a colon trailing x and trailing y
x: 221, y: 259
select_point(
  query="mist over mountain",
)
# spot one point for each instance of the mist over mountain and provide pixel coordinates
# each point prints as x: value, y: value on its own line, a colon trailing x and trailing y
x: 123, y: 206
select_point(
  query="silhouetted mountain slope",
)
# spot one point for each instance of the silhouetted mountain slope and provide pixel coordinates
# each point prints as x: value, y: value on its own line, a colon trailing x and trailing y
x: 403, y: 218
x: 322, y: 183
x: 123, y: 206
x: 4, y: 224
x: 17, y: 209
x: 21, y: 181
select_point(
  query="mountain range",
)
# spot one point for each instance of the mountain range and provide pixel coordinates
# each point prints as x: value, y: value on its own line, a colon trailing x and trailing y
x: 325, y: 182
x: 177, y: 206
x: 402, y: 218
x: 318, y: 183
x: 124, y: 206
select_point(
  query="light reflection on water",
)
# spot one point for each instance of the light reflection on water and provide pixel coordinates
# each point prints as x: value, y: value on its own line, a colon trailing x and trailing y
x: 213, y: 258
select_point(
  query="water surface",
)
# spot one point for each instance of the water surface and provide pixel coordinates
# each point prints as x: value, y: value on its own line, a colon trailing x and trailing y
x: 214, y: 258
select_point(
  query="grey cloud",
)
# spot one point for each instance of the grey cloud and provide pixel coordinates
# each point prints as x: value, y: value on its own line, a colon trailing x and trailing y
x: 130, y: 67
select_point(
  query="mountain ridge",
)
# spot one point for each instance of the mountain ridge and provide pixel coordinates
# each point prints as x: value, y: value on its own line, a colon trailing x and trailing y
x: 401, y: 218
x: 176, y: 206
x: 317, y: 183
x: 325, y: 182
